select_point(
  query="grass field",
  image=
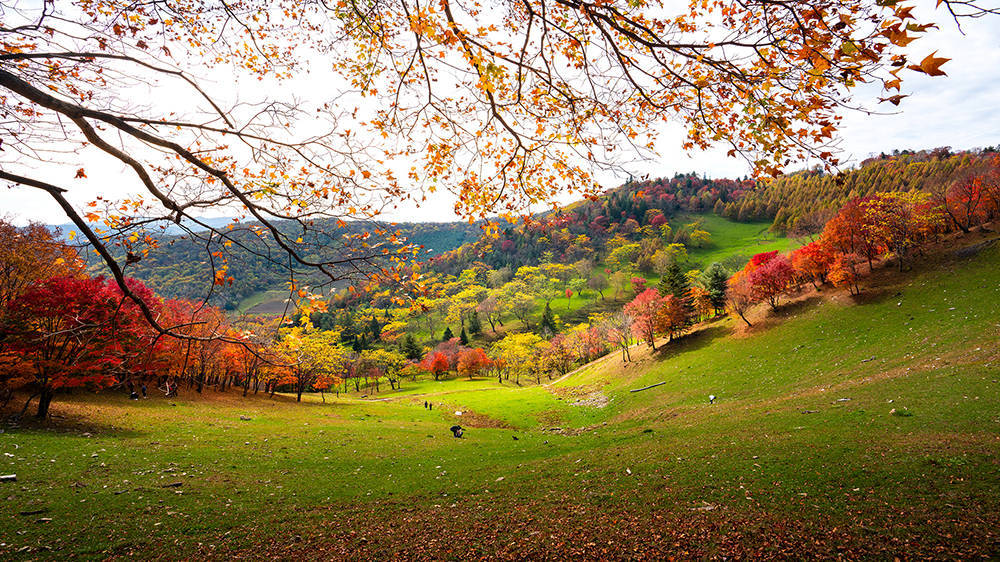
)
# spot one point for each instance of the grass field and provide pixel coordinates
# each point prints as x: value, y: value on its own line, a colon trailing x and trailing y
x: 730, y: 238
x: 843, y: 428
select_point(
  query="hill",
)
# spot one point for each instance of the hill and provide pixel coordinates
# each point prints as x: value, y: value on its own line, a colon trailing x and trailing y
x: 667, y: 209
x: 178, y: 268
x: 844, y: 427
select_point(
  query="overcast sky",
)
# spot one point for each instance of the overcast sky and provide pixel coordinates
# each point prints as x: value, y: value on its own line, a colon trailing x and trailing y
x: 958, y: 111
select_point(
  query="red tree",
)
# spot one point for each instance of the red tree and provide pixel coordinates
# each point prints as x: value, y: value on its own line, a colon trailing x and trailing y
x: 638, y: 285
x: 844, y: 272
x: 771, y: 279
x: 848, y: 232
x: 77, y: 332
x: 740, y: 295
x: 472, y: 362
x: 964, y: 202
x: 644, y: 310
x: 435, y: 363
x: 812, y: 262
x: 673, y: 317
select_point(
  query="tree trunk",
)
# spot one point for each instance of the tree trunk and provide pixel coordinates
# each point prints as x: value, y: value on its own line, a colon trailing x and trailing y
x: 43, y: 404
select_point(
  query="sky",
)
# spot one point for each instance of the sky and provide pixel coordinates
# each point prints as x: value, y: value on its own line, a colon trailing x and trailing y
x: 959, y: 111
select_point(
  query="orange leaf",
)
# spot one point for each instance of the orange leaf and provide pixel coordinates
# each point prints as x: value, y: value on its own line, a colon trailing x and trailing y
x: 931, y: 65
x: 894, y: 100
x: 80, y: 174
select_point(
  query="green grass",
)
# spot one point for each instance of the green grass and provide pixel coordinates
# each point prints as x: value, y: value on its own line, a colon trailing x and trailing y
x: 802, y: 436
x: 271, y: 302
x: 731, y: 238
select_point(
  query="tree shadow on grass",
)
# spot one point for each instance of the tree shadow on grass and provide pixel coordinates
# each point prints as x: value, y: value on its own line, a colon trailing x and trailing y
x: 690, y: 341
x: 796, y: 307
x: 70, y: 425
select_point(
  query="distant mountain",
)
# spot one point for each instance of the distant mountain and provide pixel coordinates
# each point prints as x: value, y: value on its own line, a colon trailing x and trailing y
x: 179, y: 267
x: 171, y: 230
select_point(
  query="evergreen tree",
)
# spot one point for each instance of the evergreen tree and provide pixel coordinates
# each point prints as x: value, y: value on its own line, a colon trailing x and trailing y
x: 548, y: 324
x: 718, y: 281
x: 410, y: 348
x: 675, y: 283
x: 447, y: 334
x: 463, y: 338
x: 360, y: 343
x: 475, y: 326
x: 348, y: 333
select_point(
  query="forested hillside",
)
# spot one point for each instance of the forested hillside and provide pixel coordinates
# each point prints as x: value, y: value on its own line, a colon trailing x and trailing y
x: 803, y: 201
x: 799, y: 204
x: 661, y: 209
x: 177, y: 269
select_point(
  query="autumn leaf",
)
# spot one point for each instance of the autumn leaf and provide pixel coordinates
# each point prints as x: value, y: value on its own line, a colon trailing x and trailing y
x: 931, y: 65
x: 894, y: 100
x: 80, y: 174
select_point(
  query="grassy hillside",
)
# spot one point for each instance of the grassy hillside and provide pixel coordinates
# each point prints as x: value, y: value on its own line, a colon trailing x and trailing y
x: 730, y: 238
x: 800, y: 456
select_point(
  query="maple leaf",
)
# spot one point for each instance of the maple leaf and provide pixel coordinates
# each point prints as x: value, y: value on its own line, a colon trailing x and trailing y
x: 80, y: 174
x: 931, y: 65
x: 894, y: 100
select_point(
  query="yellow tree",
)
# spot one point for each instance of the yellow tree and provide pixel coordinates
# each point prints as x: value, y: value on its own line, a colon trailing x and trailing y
x: 310, y: 357
x: 520, y: 354
x: 388, y: 362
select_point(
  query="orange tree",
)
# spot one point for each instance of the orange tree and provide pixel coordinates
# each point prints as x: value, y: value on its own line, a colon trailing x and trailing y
x: 30, y: 254
x: 505, y: 104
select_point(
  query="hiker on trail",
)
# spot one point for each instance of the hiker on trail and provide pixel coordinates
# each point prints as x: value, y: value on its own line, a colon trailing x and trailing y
x: 425, y: 404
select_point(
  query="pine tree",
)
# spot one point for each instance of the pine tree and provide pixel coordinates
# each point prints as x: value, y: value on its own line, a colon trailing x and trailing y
x: 475, y: 326
x: 718, y: 283
x: 548, y: 324
x: 360, y: 343
x: 410, y: 348
x: 463, y: 338
x: 447, y: 334
x: 675, y: 283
